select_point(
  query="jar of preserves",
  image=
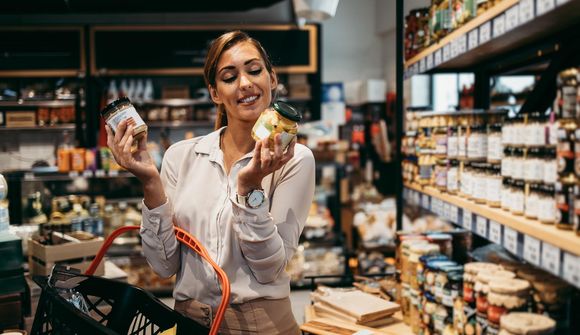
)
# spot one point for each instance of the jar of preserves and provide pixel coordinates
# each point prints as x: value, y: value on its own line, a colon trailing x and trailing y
x: 550, y: 166
x: 535, y: 134
x: 471, y: 270
x: 505, y: 296
x: 445, y: 294
x: 494, y: 144
x: 532, y: 202
x: 533, y: 165
x: 452, y: 143
x: 463, y: 133
x: 517, y: 164
x: 479, y: 182
x: 281, y: 119
x: 519, y: 131
x: 477, y: 143
x: 426, y: 273
x: 506, y: 132
x: 565, y: 148
x: 506, y: 195
x: 507, y: 163
x: 416, y: 251
x: 522, y: 323
x: 567, y: 94
x: 426, y: 169
x: 493, y: 186
x: 466, y: 182
x: 440, y: 139
x: 517, y: 198
x: 444, y: 242
x: 441, y: 175
x: 565, y: 202
x: 122, y: 109
x: 453, y: 177
x: 547, y: 204
x: 481, y: 288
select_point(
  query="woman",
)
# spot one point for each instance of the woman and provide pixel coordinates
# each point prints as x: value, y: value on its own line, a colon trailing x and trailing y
x: 203, y: 187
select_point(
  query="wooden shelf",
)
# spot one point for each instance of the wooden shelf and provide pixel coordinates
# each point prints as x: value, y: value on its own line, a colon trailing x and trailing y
x: 47, y: 129
x: 546, y: 24
x: 174, y: 102
x: 565, y: 240
x: 39, y: 103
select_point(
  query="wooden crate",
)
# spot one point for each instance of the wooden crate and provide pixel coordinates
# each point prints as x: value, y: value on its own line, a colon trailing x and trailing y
x: 41, y: 258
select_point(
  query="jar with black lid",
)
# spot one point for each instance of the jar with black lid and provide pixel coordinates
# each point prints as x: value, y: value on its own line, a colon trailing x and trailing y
x: 517, y: 198
x: 120, y: 110
x: 535, y: 134
x: 532, y: 202
x: 494, y: 144
x: 533, y: 166
x: 565, y: 147
x: 519, y: 132
x: 466, y: 181
x: 506, y: 162
x: 452, y: 142
x: 567, y: 93
x: 547, y: 204
x: 463, y: 133
x: 517, y: 165
x: 494, y: 186
x: 506, y: 194
x: 550, y: 165
x: 453, y: 176
x: 479, y: 181
x: 565, y: 202
x: 477, y: 143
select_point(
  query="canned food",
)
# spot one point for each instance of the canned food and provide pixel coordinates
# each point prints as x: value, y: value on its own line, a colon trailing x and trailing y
x: 280, y: 119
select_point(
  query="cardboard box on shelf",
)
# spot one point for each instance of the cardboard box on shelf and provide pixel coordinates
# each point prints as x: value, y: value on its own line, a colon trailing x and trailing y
x: 76, y: 253
x: 20, y: 119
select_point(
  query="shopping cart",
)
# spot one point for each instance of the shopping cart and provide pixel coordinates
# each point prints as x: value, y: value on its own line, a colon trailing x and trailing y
x: 118, y: 308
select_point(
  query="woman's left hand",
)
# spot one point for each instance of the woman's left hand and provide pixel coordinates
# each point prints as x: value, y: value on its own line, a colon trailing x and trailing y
x: 264, y: 162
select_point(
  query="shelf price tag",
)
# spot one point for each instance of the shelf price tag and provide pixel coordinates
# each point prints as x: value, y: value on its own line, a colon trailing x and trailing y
x: 485, y: 32
x: 473, y: 39
x: 512, y: 18
x: 446, y: 52
x: 499, y: 26
x: 87, y: 173
x: 571, y: 270
x: 551, y: 258
x: 532, y: 249
x: 425, y: 201
x: 544, y: 6
x: 454, y: 213
x: 481, y: 226
x: 423, y: 65
x: 100, y: 173
x: 526, y: 10
x: 429, y: 61
x: 73, y: 174
x: 28, y: 176
x: 467, y: 220
x: 462, y: 44
x: 453, y: 49
x: 437, y: 58
x: 113, y: 173
x: 495, y: 232
x: 510, y: 240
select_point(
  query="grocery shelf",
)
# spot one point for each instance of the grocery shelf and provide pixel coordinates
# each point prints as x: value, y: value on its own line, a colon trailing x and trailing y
x: 460, y: 112
x: 524, y: 22
x: 555, y: 250
x: 64, y: 176
x: 180, y: 124
x: 55, y: 128
x: 38, y: 103
x: 173, y: 102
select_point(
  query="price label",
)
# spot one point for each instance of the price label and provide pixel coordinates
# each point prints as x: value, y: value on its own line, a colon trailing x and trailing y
x: 73, y: 174
x: 100, y: 173
x: 454, y: 212
x: 467, y: 220
x: 453, y: 51
x: 446, y: 52
x: 481, y: 226
x: 484, y: 32
x: 544, y: 6
x: 473, y: 39
x: 425, y: 201
x: 113, y: 173
x: 88, y: 174
x: 429, y: 61
x: 495, y: 232
x: 510, y: 240
x: 499, y: 26
x: 571, y: 270
x: 462, y: 44
x: 422, y: 64
x: 526, y: 10
x: 532, y: 249
x: 512, y: 18
x: 28, y: 176
x: 551, y: 258
x: 437, y: 59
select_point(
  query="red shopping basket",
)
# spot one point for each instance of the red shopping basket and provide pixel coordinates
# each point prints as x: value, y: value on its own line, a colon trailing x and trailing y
x: 120, y: 308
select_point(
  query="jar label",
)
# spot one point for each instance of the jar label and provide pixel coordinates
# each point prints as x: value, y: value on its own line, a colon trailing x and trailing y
x: 262, y: 132
x: 547, y: 209
x: 506, y: 167
x: 493, y: 189
x: 517, y: 168
x: 494, y: 148
x: 130, y: 114
x: 452, y: 147
x: 452, y: 179
x: 517, y: 201
x: 550, y: 171
x: 533, y: 169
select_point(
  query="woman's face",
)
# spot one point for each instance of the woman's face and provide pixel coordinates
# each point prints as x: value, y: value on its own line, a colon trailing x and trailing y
x: 243, y: 84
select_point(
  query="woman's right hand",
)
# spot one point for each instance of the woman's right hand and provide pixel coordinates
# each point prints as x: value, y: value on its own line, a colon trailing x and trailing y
x: 138, y: 161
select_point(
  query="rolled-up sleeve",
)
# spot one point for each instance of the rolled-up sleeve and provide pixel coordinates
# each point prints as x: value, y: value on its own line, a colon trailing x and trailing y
x: 160, y: 247
x: 269, y: 238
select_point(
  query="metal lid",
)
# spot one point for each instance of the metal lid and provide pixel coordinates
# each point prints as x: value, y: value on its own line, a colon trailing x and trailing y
x: 114, y: 105
x: 287, y: 111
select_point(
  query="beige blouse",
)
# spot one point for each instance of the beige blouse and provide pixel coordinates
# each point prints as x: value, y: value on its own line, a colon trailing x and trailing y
x: 252, y: 246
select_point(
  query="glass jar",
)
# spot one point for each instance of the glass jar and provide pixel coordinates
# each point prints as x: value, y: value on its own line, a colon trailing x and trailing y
x: 566, y: 94
x: 441, y: 175
x: 280, y: 119
x: 416, y: 251
x: 427, y: 271
x: 466, y: 182
x: 522, y: 323
x: 506, y: 194
x: 440, y: 139
x: 519, y: 132
x: 505, y: 296
x: 565, y: 147
x: 444, y: 242
x: 452, y: 142
x: 453, y: 177
x: 547, y: 205
x: 481, y: 288
x: 122, y: 109
x: 507, y: 163
x: 477, y: 143
x: 565, y: 202
x: 470, y: 273
x: 506, y: 132
x: 550, y: 166
x: 479, y: 182
x: 532, y: 202
x: 443, y: 291
x: 533, y: 166
x: 426, y: 168
x: 535, y: 134
x: 517, y: 201
x: 494, y: 144
x: 494, y: 186
x: 517, y: 165
x: 462, y: 138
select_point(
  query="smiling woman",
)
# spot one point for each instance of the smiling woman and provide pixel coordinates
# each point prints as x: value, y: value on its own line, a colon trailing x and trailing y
x: 246, y: 201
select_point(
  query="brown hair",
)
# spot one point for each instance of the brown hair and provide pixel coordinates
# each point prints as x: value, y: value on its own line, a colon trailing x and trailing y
x: 216, y: 49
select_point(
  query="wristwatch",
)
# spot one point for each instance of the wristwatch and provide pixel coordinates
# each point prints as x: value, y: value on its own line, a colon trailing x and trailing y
x: 254, y: 199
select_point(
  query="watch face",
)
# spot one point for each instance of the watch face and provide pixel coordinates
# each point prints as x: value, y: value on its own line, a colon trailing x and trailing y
x: 255, y: 198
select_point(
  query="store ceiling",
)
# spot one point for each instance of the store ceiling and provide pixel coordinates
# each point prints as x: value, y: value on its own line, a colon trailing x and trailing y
x: 129, y: 6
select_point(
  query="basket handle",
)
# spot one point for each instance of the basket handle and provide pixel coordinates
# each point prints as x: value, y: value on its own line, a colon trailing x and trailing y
x: 187, y: 239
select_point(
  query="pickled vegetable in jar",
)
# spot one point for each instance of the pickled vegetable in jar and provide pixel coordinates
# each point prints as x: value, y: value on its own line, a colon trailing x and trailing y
x: 280, y: 119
